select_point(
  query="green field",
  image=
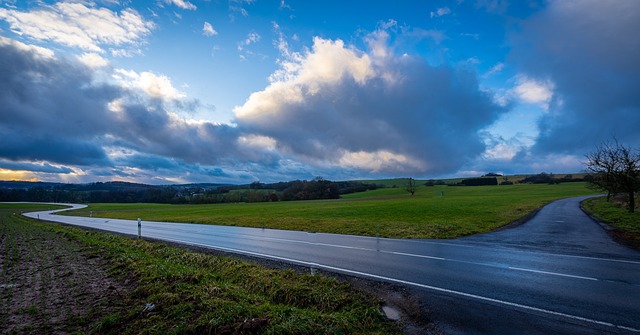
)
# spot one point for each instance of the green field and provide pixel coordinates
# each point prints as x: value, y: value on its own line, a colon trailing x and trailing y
x: 626, y: 225
x: 434, y: 212
x: 152, y: 288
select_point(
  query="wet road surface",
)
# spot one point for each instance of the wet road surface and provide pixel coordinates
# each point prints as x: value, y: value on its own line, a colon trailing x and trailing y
x: 558, y: 273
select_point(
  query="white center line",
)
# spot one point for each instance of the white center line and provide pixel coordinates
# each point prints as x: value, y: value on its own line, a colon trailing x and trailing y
x: 553, y: 273
x: 413, y: 255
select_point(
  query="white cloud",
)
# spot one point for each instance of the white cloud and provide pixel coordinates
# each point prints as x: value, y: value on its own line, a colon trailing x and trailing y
x: 336, y: 106
x: 207, y: 30
x: 252, y: 37
x: 40, y: 52
x: 93, y: 60
x: 258, y: 142
x: 128, y: 53
x: 533, y: 91
x: 76, y: 25
x: 182, y: 4
x: 330, y: 61
x: 501, y: 151
x: 441, y: 12
x: 380, y: 161
x: 153, y: 85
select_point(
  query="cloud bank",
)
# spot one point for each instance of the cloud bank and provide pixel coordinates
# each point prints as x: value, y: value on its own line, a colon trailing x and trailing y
x: 358, y: 109
x: 57, y: 111
x: 588, y: 51
x: 332, y: 110
x: 373, y: 111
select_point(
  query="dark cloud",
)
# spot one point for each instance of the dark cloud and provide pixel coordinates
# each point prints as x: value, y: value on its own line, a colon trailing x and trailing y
x: 57, y: 111
x: 49, y: 109
x: 34, y: 167
x: 590, y: 51
x: 373, y: 112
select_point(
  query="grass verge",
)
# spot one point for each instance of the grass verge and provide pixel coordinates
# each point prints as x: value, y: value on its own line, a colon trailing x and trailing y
x: 434, y: 212
x: 176, y: 291
x: 626, y: 226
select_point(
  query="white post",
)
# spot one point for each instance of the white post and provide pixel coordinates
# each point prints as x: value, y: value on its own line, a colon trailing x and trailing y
x: 139, y: 228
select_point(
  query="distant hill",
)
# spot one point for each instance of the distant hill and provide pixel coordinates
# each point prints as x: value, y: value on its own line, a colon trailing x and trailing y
x: 101, y: 186
x: 24, y: 185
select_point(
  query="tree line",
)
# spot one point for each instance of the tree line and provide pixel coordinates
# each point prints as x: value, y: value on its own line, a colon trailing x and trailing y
x: 122, y: 192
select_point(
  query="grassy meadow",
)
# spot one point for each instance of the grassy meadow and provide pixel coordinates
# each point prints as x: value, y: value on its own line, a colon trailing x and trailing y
x: 433, y: 212
x: 626, y: 225
x: 158, y: 289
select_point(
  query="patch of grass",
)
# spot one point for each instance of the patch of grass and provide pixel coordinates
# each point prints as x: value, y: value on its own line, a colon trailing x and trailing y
x: 434, y: 212
x: 107, y: 323
x: 31, y: 310
x: 176, y: 291
x: 626, y: 225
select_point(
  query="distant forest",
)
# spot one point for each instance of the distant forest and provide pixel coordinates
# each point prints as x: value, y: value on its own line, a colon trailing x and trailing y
x: 318, y: 188
x: 123, y: 192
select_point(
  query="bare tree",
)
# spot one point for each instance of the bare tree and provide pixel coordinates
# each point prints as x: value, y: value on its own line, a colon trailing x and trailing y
x: 615, y: 168
x: 411, y: 186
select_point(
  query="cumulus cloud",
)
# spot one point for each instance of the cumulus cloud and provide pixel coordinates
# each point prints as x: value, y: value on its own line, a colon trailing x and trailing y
x: 182, y: 4
x: 534, y: 92
x: 207, y: 30
x: 55, y: 111
x: 370, y: 110
x: 151, y: 84
x: 80, y: 26
x: 93, y: 60
x: 588, y: 50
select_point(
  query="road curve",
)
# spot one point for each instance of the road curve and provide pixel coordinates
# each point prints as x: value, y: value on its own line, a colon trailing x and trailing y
x: 558, y: 273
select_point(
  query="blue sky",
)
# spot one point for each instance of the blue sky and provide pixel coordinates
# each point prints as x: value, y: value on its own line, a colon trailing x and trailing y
x: 236, y: 91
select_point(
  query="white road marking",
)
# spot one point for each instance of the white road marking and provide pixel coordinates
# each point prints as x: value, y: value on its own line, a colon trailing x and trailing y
x: 77, y: 206
x: 553, y: 273
x: 414, y: 255
x: 400, y: 281
x: 161, y: 224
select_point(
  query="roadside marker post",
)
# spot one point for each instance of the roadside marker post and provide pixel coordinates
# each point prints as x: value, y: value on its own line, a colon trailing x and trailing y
x: 139, y: 228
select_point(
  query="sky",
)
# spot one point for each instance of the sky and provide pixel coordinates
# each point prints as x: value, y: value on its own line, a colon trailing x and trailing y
x: 237, y: 91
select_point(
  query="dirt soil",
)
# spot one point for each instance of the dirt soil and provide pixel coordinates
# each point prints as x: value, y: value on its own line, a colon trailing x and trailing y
x: 53, y: 285
x: 50, y: 284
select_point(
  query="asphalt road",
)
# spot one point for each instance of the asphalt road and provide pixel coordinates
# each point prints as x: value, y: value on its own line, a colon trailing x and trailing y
x: 559, y: 273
